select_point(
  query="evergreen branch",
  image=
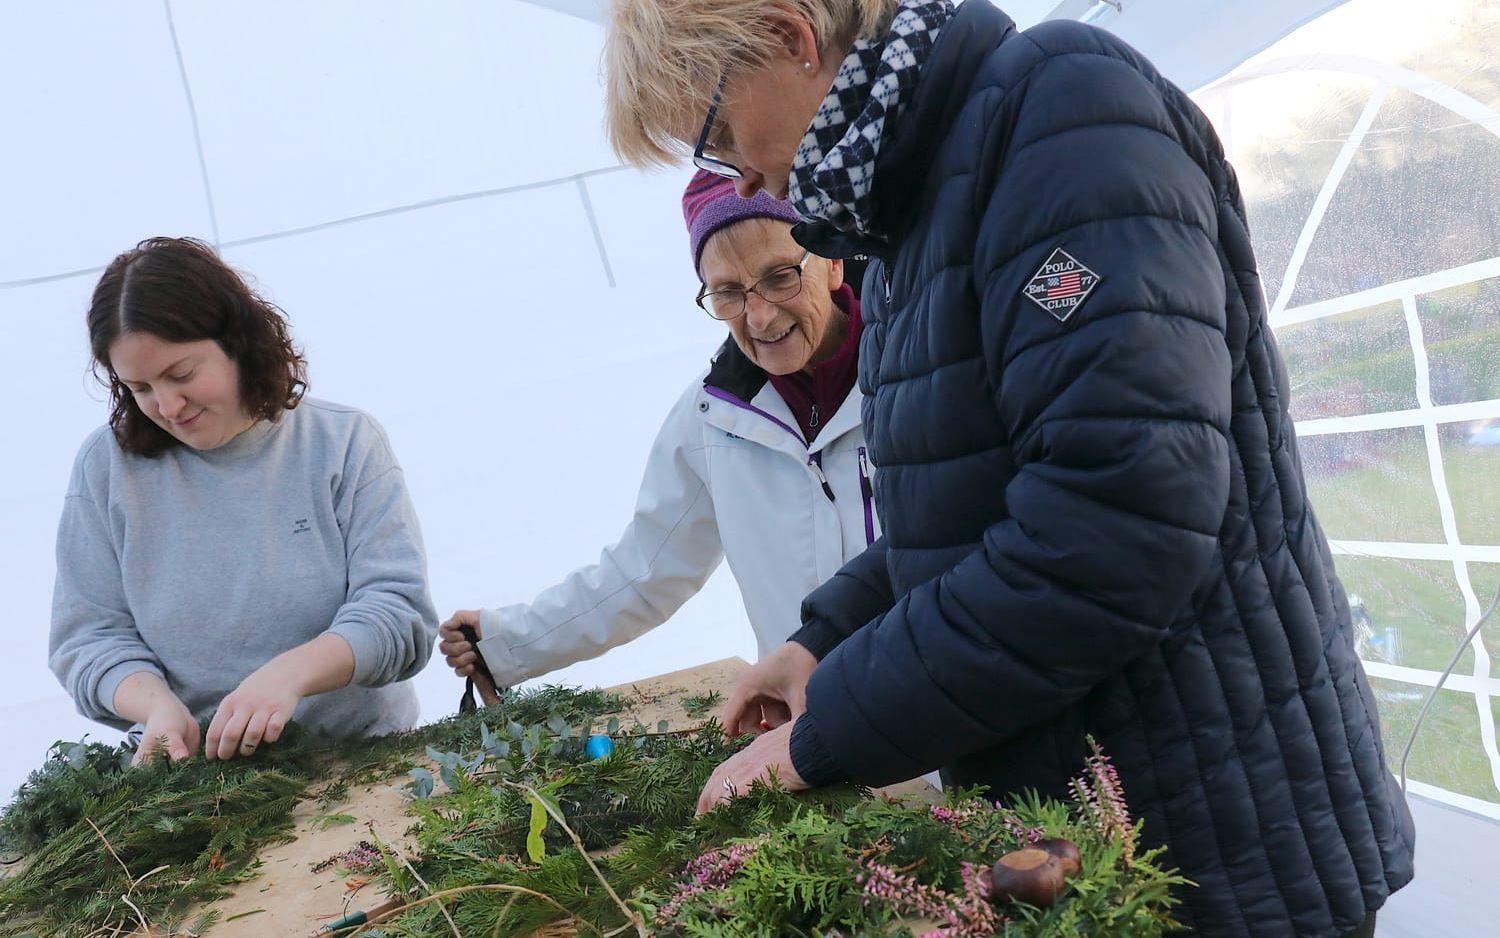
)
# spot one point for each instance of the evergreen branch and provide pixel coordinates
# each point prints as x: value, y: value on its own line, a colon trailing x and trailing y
x: 699, y: 705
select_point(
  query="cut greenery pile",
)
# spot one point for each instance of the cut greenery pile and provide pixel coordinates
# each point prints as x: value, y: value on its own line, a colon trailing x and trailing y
x: 106, y: 848
x: 519, y: 829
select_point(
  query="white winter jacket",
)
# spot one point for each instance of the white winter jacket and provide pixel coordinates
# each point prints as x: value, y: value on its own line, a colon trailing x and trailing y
x: 728, y: 477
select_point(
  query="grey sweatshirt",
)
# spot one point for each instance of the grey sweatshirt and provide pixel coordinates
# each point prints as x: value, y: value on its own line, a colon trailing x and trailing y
x: 202, y: 566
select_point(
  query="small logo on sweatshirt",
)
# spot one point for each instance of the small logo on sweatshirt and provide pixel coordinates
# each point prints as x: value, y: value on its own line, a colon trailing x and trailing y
x: 1061, y: 285
x: 300, y: 526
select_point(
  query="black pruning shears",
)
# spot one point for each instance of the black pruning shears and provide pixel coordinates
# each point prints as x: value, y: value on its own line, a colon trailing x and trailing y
x: 487, y: 687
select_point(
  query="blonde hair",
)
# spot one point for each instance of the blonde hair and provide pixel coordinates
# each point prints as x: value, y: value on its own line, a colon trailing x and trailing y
x: 663, y: 59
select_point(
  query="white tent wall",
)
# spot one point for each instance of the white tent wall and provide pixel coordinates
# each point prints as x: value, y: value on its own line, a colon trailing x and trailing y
x: 1194, y: 42
x: 105, y: 157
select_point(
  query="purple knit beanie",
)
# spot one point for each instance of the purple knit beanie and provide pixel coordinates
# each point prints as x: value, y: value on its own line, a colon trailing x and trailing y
x: 710, y: 203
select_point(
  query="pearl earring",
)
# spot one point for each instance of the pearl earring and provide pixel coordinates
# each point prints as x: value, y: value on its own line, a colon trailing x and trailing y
x: 807, y: 66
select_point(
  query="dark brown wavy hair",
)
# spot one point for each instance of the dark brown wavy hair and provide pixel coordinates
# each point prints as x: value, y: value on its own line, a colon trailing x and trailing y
x: 179, y: 290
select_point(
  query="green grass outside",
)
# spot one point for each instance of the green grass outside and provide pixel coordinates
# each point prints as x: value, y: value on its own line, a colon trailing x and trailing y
x: 1473, y: 476
x: 1354, y: 363
x: 1476, y: 356
x: 1388, y: 497
x: 1421, y: 600
x: 1448, y: 752
x: 1461, y: 328
x: 1361, y: 362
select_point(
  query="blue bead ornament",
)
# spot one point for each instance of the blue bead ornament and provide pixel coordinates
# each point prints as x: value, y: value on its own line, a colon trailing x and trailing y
x: 598, y: 746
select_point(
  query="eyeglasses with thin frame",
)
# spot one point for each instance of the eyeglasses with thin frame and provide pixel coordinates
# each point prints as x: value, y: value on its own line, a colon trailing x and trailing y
x: 702, y: 160
x: 777, y: 286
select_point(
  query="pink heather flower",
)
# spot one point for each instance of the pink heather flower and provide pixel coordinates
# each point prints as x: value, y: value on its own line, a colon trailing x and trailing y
x: 1101, y: 797
x: 1026, y: 835
x: 969, y: 915
x: 362, y: 858
x: 712, y: 870
x: 961, y: 813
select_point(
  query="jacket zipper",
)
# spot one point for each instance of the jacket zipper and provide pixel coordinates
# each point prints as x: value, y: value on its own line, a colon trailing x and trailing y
x: 815, y: 461
x: 867, y: 493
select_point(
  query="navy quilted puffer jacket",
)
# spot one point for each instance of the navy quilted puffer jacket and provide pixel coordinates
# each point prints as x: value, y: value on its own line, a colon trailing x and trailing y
x: 1095, y: 516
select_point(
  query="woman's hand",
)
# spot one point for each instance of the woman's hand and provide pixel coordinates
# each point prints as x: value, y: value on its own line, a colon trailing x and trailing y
x: 170, y: 729
x: 457, y: 650
x: 771, y: 694
x: 169, y: 726
x: 259, y: 709
x: 768, y: 755
x: 461, y: 654
x: 256, y: 712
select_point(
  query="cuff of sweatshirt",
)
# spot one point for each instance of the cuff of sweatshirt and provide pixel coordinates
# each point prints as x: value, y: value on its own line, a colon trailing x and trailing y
x: 818, y: 637
x: 810, y: 757
x: 504, y: 664
x: 369, y: 647
x: 105, y: 690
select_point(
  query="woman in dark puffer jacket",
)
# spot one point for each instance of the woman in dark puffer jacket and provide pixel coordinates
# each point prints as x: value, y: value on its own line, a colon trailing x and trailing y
x: 1094, y: 512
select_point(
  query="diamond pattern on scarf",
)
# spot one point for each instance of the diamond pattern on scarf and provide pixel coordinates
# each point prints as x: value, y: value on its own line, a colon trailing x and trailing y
x: 833, y: 170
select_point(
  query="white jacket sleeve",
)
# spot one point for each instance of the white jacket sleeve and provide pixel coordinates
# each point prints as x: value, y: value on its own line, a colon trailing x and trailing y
x: 666, y: 554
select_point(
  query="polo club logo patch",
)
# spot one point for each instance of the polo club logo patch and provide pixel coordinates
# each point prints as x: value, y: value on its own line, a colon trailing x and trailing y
x: 1061, y: 286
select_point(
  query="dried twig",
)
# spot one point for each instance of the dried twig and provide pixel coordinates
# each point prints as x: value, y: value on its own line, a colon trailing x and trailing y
x: 413, y: 870
x: 480, y: 887
x: 145, y: 926
x: 111, y: 849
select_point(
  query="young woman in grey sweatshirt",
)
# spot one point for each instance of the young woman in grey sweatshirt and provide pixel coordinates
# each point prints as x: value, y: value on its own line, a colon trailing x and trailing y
x: 228, y: 546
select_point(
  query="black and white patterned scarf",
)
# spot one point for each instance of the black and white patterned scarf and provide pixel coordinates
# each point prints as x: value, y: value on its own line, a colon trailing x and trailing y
x: 834, y: 169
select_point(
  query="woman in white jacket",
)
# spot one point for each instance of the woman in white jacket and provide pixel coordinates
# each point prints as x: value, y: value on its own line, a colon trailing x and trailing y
x: 762, y: 461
